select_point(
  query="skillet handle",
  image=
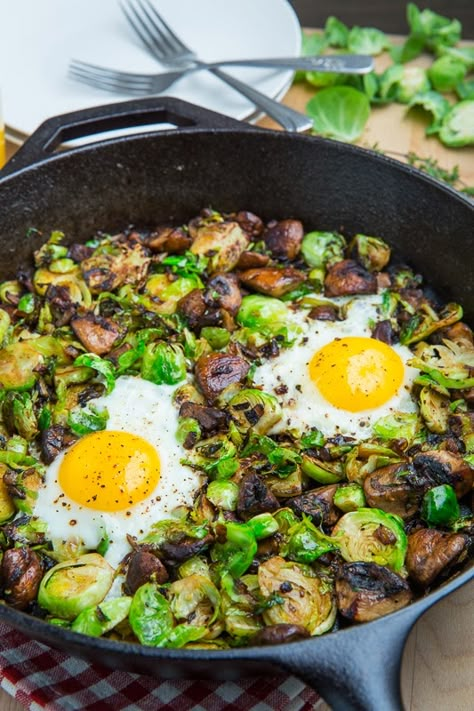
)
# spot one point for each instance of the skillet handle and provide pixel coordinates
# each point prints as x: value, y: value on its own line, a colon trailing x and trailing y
x: 357, y: 669
x: 111, y: 117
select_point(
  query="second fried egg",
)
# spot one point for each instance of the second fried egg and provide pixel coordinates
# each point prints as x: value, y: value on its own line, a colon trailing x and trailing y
x: 337, y: 378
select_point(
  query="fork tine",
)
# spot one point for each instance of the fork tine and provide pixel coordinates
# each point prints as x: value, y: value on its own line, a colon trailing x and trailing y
x: 161, y: 28
x: 103, y: 73
x: 160, y: 39
x: 140, y: 28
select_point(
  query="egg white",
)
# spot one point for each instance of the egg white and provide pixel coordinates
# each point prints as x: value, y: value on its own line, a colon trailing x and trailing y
x: 303, y: 405
x: 142, y: 408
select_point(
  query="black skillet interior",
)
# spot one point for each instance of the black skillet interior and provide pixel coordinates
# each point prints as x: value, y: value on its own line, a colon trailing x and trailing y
x: 214, y: 161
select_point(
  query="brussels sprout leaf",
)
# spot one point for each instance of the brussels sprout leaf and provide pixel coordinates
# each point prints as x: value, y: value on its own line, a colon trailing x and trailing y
x: 339, y: 112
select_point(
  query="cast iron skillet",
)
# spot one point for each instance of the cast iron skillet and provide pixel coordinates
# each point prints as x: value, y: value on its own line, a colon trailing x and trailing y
x: 210, y: 160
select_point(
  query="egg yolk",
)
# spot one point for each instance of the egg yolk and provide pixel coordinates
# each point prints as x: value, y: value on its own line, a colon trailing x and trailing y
x: 109, y: 470
x: 356, y: 373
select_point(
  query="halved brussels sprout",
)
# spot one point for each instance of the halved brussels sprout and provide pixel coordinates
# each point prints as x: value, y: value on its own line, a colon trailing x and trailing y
x: 306, y: 598
x: 71, y: 587
x: 96, y: 621
x: 365, y: 458
x: 372, y: 252
x: 18, y: 362
x: 349, y: 497
x: 19, y: 415
x: 195, y: 599
x: 222, y: 243
x: 163, y: 363
x: 323, y: 472
x: 251, y: 408
x: 371, y: 536
x: 150, y: 616
x: 434, y: 409
x: 305, y: 543
x: 223, y: 494
x: 237, y: 553
x: 168, y: 291
x: 266, y: 316
x: 321, y: 249
x: 238, y: 606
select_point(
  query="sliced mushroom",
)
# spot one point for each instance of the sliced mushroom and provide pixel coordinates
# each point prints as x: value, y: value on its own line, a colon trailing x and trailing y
x: 279, y: 634
x: 193, y: 307
x: 348, y: 277
x: 142, y: 567
x: 284, y: 238
x: 21, y: 574
x: 54, y: 440
x: 250, y: 223
x: 272, y: 281
x: 443, y: 467
x: 254, y: 497
x: 211, y: 419
x: 173, y: 240
x: 222, y: 243
x: 252, y: 260
x: 324, y: 312
x: 366, y: 591
x: 78, y: 252
x: 430, y: 552
x: 187, y: 547
x: 214, y: 372
x: 317, y: 503
x: 385, y: 489
x: 61, y: 305
x: 96, y: 333
x: 383, y: 331
x: 223, y: 292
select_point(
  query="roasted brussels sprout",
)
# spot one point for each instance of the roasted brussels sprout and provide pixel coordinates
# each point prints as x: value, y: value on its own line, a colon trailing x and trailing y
x: 195, y: 600
x: 222, y: 243
x: 371, y: 536
x: 321, y: 249
x: 306, y: 597
x: 349, y: 497
x: 96, y: 621
x: 372, y: 252
x: 251, y: 408
x: 70, y: 587
x: 440, y: 506
x: 266, y: 315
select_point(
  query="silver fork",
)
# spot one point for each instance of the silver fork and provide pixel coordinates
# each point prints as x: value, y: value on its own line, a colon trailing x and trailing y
x: 163, y: 43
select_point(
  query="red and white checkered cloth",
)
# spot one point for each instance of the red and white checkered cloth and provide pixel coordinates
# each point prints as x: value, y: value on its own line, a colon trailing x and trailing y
x: 42, y: 678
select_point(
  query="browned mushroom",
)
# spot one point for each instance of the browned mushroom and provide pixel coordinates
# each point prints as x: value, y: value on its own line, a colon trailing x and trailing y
x: 442, y: 467
x: 254, y: 497
x: 252, y: 260
x: 279, y: 634
x: 211, y: 419
x: 193, y: 307
x: 365, y: 591
x: 284, y: 238
x: 324, y: 312
x: 61, y: 305
x: 142, y: 567
x: 173, y: 240
x: 78, y: 252
x: 216, y: 371
x: 458, y: 332
x: 250, y: 223
x: 383, y: 331
x: 272, y: 281
x: 96, y: 333
x: 180, y: 550
x: 385, y: 489
x: 348, y: 277
x: 430, y: 552
x: 21, y: 574
x: 54, y: 440
x: 223, y: 292
x: 317, y: 503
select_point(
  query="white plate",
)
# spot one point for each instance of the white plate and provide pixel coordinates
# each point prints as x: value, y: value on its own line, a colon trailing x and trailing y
x: 40, y: 37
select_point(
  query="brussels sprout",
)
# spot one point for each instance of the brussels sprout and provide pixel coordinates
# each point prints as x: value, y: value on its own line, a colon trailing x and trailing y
x: 267, y: 316
x: 5, y: 323
x: 173, y: 530
x: 223, y: 494
x: 436, y: 104
x: 372, y: 252
x: 336, y: 32
x: 371, y: 536
x: 150, y: 616
x: 216, y: 456
x: 324, y: 472
x: 85, y: 420
x: 237, y: 553
x: 446, y: 72
x: 420, y: 327
x: 222, y: 243
x: 349, y: 497
x: 195, y: 598
x: 457, y: 127
x: 263, y: 525
x: 19, y: 415
x: 197, y: 565
x: 434, y: 409
x: 96, y: 621
x: 18, y: 362
x: 440, y: 506
x: 306, y: 598
x: 305, y: 543
x: 163, y: 363
x: 217, y: 338
x: 413, y: 81
x: 238, y: 607
x: 399, y: 425
x: 367, y: 40
x: 365, y: 458
x: 436, y: 30
x: 72, y: 586
x: 23, y: 488
x: 321, y: 249
x: 103, y: 368
x: 168, y: 291
x: 447, y: 367
x: 290, y: 485
x: 7, y: 507
x: 286, y: 518
x: 251, y: 408
x: 188, y: 432
x: 10, y: 292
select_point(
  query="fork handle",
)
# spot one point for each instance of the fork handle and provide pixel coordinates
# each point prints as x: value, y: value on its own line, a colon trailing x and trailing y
x: 287, y: 118
x: 343, y: 63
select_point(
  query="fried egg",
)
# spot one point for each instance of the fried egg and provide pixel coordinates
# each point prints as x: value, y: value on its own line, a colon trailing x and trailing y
x: 120, y: 480
x: 336, y: 377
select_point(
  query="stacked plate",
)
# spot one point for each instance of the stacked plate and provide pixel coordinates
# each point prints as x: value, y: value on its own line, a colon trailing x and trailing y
x: 40, y: 37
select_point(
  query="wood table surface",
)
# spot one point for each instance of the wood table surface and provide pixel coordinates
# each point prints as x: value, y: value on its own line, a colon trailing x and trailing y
x: 438, y: 663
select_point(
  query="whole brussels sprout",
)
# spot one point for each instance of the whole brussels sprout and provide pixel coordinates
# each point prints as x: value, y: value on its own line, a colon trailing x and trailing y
x: 73, y: 586
x: 321, y: 249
